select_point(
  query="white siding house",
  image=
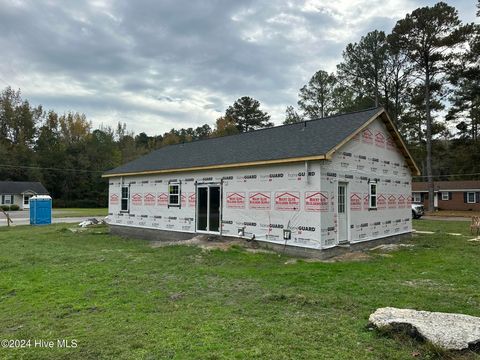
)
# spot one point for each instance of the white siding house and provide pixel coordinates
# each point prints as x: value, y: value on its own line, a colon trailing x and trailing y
x: 19, y: 192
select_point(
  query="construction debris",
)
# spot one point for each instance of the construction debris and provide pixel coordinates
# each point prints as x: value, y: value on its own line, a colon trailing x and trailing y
x: 90, y: 222
x: 446, y: 330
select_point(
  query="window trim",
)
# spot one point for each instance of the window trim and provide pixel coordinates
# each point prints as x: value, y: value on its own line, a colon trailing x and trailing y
x: 417, y: 197
x: 474, y: 197
x: 178, y: 194
x: 371, y: 184
x: 125, y: 198
x: 445, y: 198
x: 4, y: 197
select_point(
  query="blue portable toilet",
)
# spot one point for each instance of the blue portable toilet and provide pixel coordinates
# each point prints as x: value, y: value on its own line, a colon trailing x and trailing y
x: 40, y: 210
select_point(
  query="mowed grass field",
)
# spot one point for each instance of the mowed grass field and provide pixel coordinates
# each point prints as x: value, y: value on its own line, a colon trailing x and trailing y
x: 122, y: 299
x: 79, y: 212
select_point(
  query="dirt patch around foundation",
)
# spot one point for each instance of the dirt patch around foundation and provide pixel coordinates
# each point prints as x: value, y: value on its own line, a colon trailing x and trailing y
x: 205, y: 242
x: 208, y: 243
x: 347, y: 257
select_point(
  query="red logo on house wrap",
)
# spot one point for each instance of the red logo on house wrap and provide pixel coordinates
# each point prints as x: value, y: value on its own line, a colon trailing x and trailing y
x: 316, y: 201
x: 136, y: 199
x: 355, y: 202
x: 381, y: 201
x: 162, y: 199
x: 192, y: 199
x: 409, y: 200
x: 236, y: 200
x: 287, y: 201
x: 367, y: 136
x: 390, y: 143
x: 149, y: 199
x: 401, y: 201
x: 392, y: 201
x: 259, y: 200
x: 114, y: 199
x: 366, y: 198
x: 183, y: 200
x: 380, y: 139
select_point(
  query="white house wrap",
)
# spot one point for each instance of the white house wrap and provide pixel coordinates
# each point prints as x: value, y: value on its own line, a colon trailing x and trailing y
x: 355, y: 188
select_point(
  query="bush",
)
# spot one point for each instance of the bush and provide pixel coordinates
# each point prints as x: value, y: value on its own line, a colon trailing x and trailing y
x: 5, y: 207
x: 14, y: 207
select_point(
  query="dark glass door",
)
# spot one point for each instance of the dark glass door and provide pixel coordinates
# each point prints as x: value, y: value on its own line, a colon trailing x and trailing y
x: 202, y: 208
x: 214, y: 208
x: 208, y: 208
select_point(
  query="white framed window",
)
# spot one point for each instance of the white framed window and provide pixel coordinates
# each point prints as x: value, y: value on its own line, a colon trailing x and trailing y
x: 471, y: 198
x: 445, y: 196
x: 372, y: 195
x: 417, y: 197
x: 174, y: 194
x: 7, y: 199
x: 125, y: 198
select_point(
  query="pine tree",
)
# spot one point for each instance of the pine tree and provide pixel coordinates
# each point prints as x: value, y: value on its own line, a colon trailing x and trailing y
x: 428, y: 37
x: 317, y: 97
x: 246, y: 114
x: 291, y: 116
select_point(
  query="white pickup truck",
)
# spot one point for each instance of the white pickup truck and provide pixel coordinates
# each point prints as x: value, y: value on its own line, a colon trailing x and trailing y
x: 417, y: 211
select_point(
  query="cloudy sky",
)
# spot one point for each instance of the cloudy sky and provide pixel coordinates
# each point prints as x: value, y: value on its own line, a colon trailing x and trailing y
x: 158, y: 64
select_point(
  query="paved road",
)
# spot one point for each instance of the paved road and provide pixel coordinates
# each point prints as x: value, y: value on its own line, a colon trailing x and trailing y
x: 23, y: 218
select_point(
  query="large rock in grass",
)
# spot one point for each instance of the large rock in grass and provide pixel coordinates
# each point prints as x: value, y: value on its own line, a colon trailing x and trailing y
x: 448, y: 331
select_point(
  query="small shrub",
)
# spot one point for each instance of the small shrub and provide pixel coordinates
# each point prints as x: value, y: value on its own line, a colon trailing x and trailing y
x: 5, y: 207
x: 14, y: 207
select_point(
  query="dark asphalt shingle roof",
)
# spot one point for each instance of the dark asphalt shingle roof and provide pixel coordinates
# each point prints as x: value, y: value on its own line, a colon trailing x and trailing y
x: 18, y: 187
x: 314, y: 137
x: 447, y: 185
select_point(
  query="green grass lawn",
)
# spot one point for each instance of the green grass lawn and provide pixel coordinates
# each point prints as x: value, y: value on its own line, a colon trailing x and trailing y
x: 79, y: 212
x: 121, y: 299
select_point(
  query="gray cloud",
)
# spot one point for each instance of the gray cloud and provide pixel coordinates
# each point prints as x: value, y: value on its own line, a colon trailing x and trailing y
x: 158, y: 64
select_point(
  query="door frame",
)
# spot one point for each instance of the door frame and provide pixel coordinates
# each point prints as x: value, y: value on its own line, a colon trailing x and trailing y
x: 209, y: 185
x: 29, y: 195
x: 347, y: 211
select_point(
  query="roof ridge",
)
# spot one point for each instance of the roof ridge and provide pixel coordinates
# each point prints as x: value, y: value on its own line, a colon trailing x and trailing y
x: 272, y: 127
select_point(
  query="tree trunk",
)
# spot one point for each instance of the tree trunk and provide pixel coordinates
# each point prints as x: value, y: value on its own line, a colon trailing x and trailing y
x: 431, y: 203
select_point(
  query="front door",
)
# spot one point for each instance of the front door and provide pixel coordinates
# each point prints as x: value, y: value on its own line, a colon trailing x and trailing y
x: 26, y: 201
x: 208, y: 208
x: 342, y: 216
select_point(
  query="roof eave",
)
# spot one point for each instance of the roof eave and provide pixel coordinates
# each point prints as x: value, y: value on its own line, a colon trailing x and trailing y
x: 221, y: 166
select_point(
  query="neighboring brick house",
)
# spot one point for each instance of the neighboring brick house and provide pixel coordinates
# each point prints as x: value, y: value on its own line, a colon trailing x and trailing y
x: 449, y: 195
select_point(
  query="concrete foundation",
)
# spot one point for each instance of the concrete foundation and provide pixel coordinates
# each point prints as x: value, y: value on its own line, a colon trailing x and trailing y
x: 295, y: 251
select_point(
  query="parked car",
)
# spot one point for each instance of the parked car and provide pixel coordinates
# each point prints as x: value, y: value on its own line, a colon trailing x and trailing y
x: 417, y: 211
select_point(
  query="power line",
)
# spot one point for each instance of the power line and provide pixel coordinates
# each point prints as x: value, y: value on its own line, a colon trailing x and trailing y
x: 51, y: 168
x: 102, y: 171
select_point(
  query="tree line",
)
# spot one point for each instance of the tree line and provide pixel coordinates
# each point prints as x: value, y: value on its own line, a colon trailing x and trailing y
x: 68, y: 156
x: 425, y: 73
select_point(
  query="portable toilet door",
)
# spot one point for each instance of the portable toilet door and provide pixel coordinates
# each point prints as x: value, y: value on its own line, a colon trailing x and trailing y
x: 40, y: 210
